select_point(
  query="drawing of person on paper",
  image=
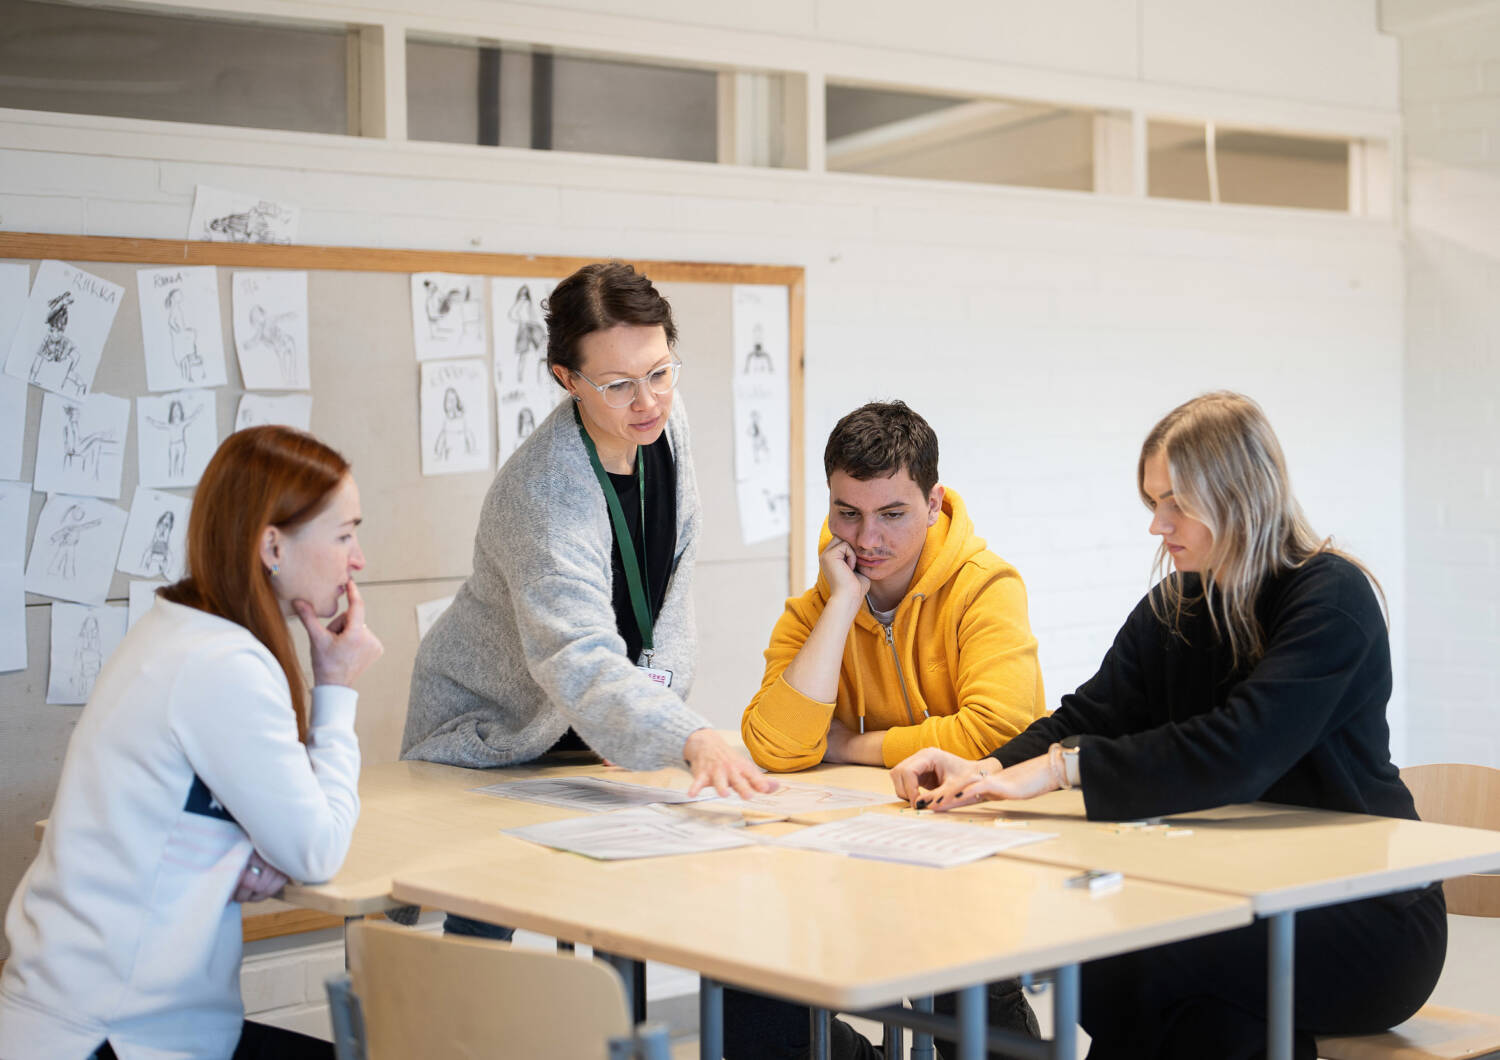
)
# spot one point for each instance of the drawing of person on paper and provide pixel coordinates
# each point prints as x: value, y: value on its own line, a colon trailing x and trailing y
x: 270, y: 334
x: 254, y: 225
x: 85, y: 449
x: 758, y: 361
x: 184, y: 338
x: 64, y: 541
x: 760, y: 446
x: 443, y: 305
x: 56, y: 347
x: 525, y: 423
x: 455, y: 431
x: 88, y: 657
x: 157, y: 559
x: 531, y: 333
x: 176, y: 428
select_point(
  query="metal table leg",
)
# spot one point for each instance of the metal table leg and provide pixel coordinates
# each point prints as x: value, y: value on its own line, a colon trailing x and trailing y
x: 921, y: 1043
x: 710, y: 1019
x: 822, y: 1026
x: 1279, y: 987
x: 973, y: 1005
x: 1065, y: 1013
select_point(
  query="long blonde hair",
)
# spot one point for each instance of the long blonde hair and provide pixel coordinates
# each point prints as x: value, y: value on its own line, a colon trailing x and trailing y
x: 1228, y: 472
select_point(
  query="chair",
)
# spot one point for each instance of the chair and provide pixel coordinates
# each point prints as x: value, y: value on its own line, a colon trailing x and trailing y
x: 413, y: 993
x: 1445, y: 794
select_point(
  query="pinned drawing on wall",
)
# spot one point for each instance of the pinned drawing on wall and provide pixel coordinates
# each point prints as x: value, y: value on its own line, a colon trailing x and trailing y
x: 221, y: 216
x: 15, y: 510
x: 15, y: 506
x: 142, y: 599
x: 455, y: 417
x: 447, y: 314
x: 73, y: 551
x: 82, y: 639
x: 155, y: 535
x: 270, y: 330
x: 520, y: 331
x: 13, y: 393
x: 177, y: 436
x: 762, y: 421
x: 288, y: 410
x: 60, y: 338
x: 428, y: 612
x: 181, y: 330
x: 80, y: 445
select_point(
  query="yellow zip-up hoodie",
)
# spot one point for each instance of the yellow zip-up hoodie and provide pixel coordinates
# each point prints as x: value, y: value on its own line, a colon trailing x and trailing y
x: 956, y: 669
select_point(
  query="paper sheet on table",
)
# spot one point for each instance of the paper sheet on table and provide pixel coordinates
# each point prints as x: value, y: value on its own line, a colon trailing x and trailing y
x: 286, y: 410
x: 142, y: 599
x: 222, y: 216
x: 912, y: 840
x: 176, y: 436
x: 429, y: 611
x: 270, y: 329
x: 644, y: 832
x: 591, y: 794
x: 182, y: 333
x: 74, y: 550
x: 82, y: 638
x: 805, y: 798
x: 60, y: 339
x: 80, y: 445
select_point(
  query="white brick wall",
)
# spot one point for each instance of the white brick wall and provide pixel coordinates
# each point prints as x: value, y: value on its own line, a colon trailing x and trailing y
x: 1450, y: 88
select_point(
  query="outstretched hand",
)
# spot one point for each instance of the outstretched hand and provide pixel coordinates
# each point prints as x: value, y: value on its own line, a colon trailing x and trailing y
x: 714, y: 763
x: 343, y: 648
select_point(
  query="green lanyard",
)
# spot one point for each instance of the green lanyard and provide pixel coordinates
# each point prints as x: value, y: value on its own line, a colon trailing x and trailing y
x: 634, y: 564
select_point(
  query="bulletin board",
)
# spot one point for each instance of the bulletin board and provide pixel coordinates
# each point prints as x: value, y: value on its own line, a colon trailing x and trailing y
x: 418, y: 530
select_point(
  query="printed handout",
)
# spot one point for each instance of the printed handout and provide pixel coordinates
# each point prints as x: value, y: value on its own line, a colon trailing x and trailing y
x: 590, y: 794
x: 644, y: 832
x: 182, y: 332
x: 73, y: 551
x: 60, y: 339
x: 82, y: 639
x: 805, y: 798
x: 270, y: 329
x: 80, y: 445
x: 912, y: 840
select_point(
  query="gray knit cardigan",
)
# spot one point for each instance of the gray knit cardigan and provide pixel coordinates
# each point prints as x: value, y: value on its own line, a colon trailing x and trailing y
x: 529, y: 645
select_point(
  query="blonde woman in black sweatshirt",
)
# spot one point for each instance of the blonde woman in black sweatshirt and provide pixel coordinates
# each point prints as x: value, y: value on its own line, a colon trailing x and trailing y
x: 1259, y: 669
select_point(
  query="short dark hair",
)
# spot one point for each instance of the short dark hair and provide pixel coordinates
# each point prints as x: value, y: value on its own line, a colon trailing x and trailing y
x: 879, y: 439
x: 598, y: 297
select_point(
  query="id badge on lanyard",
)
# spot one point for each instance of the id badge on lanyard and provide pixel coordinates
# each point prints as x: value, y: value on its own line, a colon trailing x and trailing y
x: 657, y: 674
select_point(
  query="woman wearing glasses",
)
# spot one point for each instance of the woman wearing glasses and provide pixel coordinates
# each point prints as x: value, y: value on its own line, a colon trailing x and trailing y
x: 576, y: 628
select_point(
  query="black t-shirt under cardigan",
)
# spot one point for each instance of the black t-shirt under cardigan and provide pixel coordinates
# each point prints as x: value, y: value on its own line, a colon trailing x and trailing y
x: 1169, y: 726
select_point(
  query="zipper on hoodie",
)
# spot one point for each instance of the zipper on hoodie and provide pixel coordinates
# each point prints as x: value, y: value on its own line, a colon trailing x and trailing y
x: 890, y: 640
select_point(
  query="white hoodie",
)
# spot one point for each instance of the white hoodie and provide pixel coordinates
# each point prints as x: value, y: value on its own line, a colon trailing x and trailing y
x: 185, y: 758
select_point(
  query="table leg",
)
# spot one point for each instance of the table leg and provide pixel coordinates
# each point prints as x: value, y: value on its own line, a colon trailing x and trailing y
x: 710, y: 1019
x: 626, y: 967
x: 973, y: 1003
x: 347, y: 921
x: 822, y: 1026
x: 1279, y: 987
x: 895, y: 1040
x: 638, y: 990
x: 921, y: 1043
x: 1065, y: 1013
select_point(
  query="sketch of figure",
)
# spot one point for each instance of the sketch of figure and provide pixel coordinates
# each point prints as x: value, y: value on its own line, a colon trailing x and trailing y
x: 64, y: 541
x: 176, y: 428
x: 56, y: 347
x: 758, y: 361
x: 776, y: 503
x: 531, y: 333
x: 525, y: 423
x: 455, y: 432
x: 86, y: 449
x: 760, y: 445
x: 442, y: 305
x: 270, y: 334
x: 157, y: 558
x: 184, y: 338
x: 88, y: 657
x: 250, y: 226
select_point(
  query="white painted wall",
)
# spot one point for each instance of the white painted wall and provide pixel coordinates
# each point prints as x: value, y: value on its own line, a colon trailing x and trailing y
x: 1450, y: 92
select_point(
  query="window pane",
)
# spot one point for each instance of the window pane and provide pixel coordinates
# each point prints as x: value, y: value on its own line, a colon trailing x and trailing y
x: 516, y: 97
x: 1176, y: 161
x: 131, y: 64
x: 1254, y: 168
x: 910, y: 134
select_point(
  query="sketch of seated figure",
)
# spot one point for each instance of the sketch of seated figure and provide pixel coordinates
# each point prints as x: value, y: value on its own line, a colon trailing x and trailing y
x: 176, y: 428
x: 88, y: 657
x: 531, y: 333
x: 184, y: 338
x: 270, y: 334
x: 56, y: 348
x: 81, y: 449
x: 443, y: 308
x: 157, y: 558
x: 64, y: 541
x: 758, y: 361
x: 455, y: 435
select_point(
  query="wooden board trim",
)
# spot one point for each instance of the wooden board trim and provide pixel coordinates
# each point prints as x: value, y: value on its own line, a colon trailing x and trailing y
x: 287, y: 922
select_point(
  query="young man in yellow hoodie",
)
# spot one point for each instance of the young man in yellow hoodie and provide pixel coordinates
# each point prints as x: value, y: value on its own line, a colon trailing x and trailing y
x: 915, y: 635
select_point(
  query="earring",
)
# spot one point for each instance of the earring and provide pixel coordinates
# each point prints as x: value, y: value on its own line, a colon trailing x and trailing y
x: 578, y: 398
x: 275, y: 569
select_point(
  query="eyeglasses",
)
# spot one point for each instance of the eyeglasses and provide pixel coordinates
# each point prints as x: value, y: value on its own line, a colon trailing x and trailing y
x: 622, y: 392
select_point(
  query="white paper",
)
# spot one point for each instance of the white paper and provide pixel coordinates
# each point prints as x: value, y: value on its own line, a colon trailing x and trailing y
x: 60, y: 339
x: 447, y: 315
x: 13, y: 393
x: 270, y: 329
x: 181, y: 330
x: 805, y: 798
x: 178, y: 434
x: 82, y: 639
x: 287, y: 410
x: 429, y: 612
x: 15, y: 509
x: 12, y: 616
x: 80, y: 445
x: 15, y: 284
x: 525, y: 392
x: 589, y: 794
x: 762, y: 425
x: 638, y: 833
x: 142, y: 599
x: 455, y: 417
x: 221, y: 216
x: 912, y: 840
x: 74, y: 549
x: 155, y: 542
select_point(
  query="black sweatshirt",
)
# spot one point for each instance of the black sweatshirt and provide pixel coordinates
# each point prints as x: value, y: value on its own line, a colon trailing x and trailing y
x: 1169, y: 726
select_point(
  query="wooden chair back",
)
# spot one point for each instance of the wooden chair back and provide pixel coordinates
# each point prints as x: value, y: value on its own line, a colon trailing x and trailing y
x: 437, y: 997
x: 1468, y: 795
